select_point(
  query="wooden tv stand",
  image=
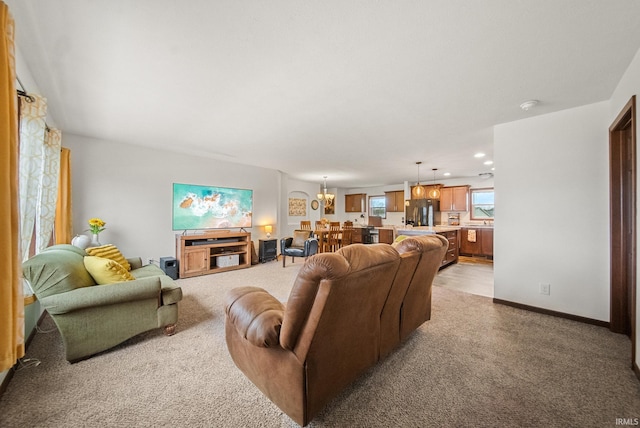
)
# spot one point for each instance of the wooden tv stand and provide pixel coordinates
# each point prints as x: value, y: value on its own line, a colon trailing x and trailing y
x: 199, y: 254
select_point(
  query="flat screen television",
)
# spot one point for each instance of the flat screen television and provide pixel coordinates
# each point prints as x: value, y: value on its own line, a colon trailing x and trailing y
x: 209, y: 207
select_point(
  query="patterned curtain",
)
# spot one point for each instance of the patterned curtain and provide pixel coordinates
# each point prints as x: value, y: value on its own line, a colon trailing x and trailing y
x: 11, y: 298
x: 39, y: 169
x: 32, y: 132
x: 48, y: 190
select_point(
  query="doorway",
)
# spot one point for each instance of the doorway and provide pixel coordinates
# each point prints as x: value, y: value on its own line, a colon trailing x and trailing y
x: 622, y: 159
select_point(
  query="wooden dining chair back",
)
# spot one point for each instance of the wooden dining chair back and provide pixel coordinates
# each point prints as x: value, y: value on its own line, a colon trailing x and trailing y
x: 333, y: 239
x: 346, y: 237
x: 305, y: 225
x: 319, y: 225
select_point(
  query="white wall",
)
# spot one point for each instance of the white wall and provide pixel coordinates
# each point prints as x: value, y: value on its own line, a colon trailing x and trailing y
x: 297, y: 189
x: 552, y: 211
x: 628, y: 86
x: 130, y: 187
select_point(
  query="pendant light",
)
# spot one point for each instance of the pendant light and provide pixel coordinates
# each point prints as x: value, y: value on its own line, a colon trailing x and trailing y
x: 418, y: 191
x: 434, y: 193
x: 325, y: 196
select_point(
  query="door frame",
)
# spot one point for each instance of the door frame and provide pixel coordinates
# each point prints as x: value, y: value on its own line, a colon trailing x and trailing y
x: 622, y: 204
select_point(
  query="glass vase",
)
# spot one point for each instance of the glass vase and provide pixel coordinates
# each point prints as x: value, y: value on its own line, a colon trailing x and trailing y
x: 95, y: 241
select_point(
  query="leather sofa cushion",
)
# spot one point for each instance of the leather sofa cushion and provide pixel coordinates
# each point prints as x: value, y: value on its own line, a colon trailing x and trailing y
x: 295, y: 252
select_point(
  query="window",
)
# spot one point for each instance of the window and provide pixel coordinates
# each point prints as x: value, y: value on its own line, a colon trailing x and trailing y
x: 482, y: 204
x: 377, y: 206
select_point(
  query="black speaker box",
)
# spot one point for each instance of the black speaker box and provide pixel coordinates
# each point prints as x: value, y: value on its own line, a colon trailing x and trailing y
x: 169, y: 265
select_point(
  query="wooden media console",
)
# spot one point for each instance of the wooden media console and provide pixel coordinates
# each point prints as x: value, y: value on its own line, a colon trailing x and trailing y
x: 213, y: 252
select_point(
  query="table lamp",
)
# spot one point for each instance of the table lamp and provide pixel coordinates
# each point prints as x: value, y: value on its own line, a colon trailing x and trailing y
x: 268, y: 228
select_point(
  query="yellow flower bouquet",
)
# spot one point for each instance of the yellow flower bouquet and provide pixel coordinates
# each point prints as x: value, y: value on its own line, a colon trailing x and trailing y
x: 96, y: 225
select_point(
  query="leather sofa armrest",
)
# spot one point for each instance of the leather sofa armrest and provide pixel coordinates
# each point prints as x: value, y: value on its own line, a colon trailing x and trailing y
x: 102, y: 295
x: 255, y: 314
x: 311, y: 246
x: 286, y: 242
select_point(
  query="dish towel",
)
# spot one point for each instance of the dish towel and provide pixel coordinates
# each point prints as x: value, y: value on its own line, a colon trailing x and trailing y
x: 471, y: 235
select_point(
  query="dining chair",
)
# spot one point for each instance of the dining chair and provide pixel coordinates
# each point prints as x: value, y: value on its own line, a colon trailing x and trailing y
x: 346, y: 237
x: 305, y: 225
x: 333, y: 239
x: 319, y: 225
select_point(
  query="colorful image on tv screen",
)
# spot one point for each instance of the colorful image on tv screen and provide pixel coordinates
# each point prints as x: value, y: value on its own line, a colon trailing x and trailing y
x: 208, y: 207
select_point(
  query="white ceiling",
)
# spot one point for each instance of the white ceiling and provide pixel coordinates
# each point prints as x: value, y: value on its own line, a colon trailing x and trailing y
x: 354, y: 90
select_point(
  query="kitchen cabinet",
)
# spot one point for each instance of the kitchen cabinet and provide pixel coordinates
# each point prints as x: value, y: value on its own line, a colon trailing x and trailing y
x: 394, y: 201
x: 385, y: 236
x: 451, y: 256
x: 486, y: 246
x: 481, y: 246
x: 454, y: 198
x: 355, y: 203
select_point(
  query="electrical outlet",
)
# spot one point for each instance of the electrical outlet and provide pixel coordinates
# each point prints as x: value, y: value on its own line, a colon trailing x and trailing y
x: 149, y: 260
x: 545, y: 288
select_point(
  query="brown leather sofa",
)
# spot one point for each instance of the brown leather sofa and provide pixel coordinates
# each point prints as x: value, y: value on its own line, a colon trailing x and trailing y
x: 345, y: 312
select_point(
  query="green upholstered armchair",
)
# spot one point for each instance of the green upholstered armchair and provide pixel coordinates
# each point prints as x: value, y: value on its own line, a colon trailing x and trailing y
x: 93, y: 318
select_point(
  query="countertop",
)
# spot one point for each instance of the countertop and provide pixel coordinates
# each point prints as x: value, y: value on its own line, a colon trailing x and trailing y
x: 426, y: 230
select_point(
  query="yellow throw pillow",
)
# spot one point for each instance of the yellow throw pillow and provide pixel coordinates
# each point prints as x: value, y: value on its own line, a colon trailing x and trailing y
x: 398, y: 240
x: 109, y: 251
x: 106, y: 271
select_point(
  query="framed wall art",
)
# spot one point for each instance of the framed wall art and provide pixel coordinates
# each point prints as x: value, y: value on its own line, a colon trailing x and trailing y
x: 297, y: 207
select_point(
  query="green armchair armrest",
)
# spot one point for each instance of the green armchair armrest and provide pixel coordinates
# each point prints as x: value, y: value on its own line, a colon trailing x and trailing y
x: 135, y: 262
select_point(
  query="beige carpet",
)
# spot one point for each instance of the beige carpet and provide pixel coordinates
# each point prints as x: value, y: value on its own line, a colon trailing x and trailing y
x: 475, y: 364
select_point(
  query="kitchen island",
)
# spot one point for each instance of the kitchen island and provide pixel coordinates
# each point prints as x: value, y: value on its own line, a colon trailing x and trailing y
x: 452, y: 233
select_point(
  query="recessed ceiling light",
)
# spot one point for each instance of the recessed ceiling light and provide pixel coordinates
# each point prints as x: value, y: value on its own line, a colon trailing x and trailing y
x: 479, y: 155
x: 528, y: 104
x: 489, y: 162
x: 446, y: 174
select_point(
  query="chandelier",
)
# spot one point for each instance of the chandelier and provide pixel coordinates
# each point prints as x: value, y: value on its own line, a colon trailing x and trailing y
x: 325, y: 196
x: 418, y: 191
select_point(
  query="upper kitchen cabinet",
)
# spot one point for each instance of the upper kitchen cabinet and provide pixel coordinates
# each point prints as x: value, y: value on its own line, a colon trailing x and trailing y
x: 454, y: 198
x: 355, y: 203
x: 394, y: 201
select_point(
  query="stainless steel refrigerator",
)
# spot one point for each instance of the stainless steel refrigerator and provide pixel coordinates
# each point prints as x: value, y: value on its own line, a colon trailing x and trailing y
x: 422, y: 212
